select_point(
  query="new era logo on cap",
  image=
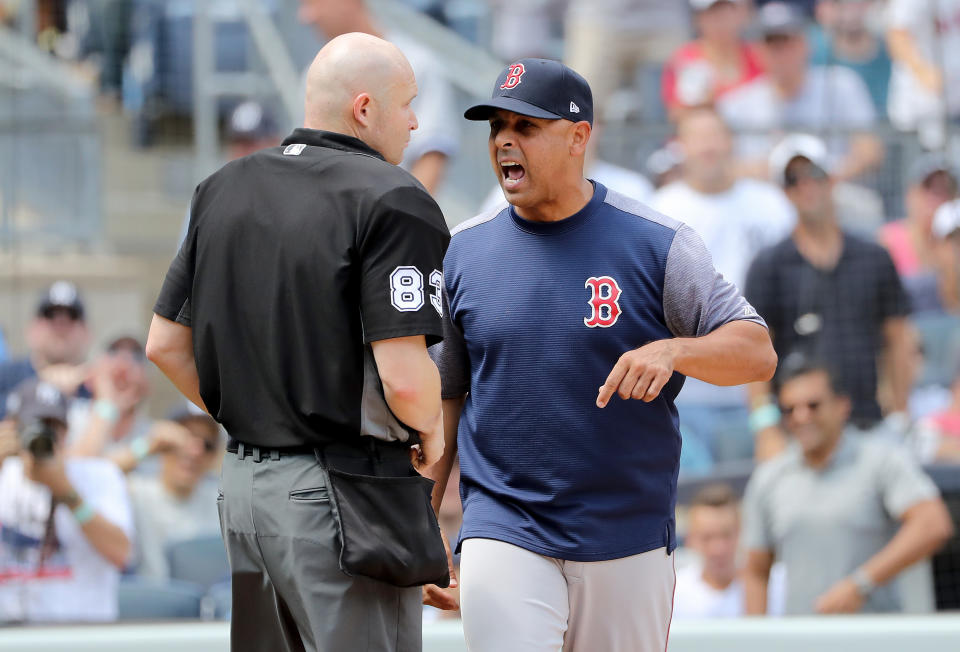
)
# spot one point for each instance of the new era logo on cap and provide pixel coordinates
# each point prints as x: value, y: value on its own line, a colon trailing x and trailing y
x: 539, y: 88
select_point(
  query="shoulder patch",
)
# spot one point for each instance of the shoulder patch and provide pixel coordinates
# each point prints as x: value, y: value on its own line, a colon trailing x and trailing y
x: 482, y: 218
x: 639, y: 209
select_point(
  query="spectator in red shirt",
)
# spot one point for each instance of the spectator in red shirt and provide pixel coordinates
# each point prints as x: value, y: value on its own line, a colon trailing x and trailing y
x: 713, y: 64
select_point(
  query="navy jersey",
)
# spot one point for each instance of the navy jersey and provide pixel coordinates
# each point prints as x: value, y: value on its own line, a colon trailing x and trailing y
x: 537, y: 315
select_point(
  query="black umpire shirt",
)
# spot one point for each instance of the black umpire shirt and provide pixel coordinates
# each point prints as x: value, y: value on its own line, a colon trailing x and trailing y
x: 296, y: 258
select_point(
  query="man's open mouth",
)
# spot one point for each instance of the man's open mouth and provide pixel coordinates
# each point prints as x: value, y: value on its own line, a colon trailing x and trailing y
x: 512, y: 173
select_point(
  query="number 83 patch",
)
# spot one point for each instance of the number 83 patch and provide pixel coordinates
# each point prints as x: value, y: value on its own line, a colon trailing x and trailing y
x: 407, y: 290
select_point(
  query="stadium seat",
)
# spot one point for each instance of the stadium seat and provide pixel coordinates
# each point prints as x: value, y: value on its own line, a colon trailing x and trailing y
x: 202, y: 560
x: 143, y: 599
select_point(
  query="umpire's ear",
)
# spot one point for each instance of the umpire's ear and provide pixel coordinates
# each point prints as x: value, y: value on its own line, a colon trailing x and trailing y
x: 579, y: 136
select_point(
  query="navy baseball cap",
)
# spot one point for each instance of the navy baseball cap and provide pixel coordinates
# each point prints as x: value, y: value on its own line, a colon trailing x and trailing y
x: 62, y: 294
x: 539, y: 88
x: 35, y: 399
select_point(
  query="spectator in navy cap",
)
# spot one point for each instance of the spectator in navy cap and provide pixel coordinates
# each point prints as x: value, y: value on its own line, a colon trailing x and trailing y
x: 252, y: 127
x: 57, y: 339
x: 66, y: 522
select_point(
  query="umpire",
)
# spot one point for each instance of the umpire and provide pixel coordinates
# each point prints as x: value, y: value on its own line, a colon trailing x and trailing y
x: 298, y: 312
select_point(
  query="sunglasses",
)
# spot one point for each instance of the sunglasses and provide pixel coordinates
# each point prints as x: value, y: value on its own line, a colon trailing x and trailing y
x: 793, y: 177
x: 812, y: 406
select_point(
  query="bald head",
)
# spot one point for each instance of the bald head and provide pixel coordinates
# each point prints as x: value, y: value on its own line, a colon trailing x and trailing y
x: 362, y: 86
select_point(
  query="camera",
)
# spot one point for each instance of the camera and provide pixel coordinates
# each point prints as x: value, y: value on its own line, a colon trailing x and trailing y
x: 38, y: 437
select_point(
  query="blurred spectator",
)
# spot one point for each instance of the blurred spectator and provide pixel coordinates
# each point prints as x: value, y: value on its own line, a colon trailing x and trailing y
x: 109, y: 37
x: 113, y: 424
x: 611, y: 42
x: 626, y: 182
x: 946, y: 254
x: 718, y: 61
x: 180, y: 502
x: 806, y: 6
x: 65, y: 524
x: 525, y: 29
x: 910, y: 240
x: 665, y: 165
x: 712, y: 587
x: 846, y: 36
x: 793, y: 96
x: 252, y: 128
x: 57, y: 340
x: 830, y: 295
x: 845, y: 515
x: 736, y: 218
x: 937, y: 437
x: 435, y: 140
x: 924, y: 42
x: 3, y: 347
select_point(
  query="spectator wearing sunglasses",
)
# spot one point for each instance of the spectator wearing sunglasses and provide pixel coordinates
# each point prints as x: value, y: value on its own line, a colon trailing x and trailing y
x: 845, y: 514
x: 180, y: 502
x: 112, y: 424
x: 830, y: 295
x: 57, y: 341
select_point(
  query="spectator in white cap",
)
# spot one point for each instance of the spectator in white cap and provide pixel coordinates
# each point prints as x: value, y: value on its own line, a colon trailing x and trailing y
x: 911, y: 240
x: 946, y: 230
x: 830, y: 295
x: 792, y: 96
x: 716, y: 62
x: 57, y: 340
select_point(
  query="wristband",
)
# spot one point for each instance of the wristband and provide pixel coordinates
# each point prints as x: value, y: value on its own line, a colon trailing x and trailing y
x: 83, y: 513
x: 862, y: 580
x: 764, y: 417
x: 106, y: 410
x: 140, y: 448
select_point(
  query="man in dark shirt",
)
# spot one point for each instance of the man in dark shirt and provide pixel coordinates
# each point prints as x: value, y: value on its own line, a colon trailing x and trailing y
x: 58, y: 338
x: 297, y: 313
x: 829, y: 295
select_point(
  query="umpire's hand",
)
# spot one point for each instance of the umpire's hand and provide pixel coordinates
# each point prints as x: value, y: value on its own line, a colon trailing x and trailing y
x: 640, y: 373
x: 430, y: 449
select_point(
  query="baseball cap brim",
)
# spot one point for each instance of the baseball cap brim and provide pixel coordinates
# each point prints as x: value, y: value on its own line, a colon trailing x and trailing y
x: 485, y: 110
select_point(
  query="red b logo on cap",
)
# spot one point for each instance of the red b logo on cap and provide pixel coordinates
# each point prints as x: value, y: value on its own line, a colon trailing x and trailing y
x: 513, y: 77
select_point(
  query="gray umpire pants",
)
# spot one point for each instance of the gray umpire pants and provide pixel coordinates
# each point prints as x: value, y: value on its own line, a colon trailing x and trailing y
x: 289, y: 593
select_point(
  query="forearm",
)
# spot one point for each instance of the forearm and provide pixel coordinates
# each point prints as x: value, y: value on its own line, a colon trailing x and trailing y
x: 95, y: 436
x: 755, y: 593
x: 902, y: 49
x: 440, y: 472
x: 170, y: 347
x: 896, y: 360
x: 924, y: 531
x: 107, y: 539
x: 415, y: 400
x: 736, y: 353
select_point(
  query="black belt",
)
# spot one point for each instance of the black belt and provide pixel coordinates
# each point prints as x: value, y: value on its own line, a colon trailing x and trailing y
x: 363, y: 448
x: 260, y: 452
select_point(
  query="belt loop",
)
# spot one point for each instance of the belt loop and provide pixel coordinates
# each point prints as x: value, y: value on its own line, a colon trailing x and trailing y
x: 275, y: 454
x: 241, y: 449
x: 256, y: 453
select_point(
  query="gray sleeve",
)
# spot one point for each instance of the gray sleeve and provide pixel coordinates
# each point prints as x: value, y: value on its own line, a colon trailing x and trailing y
x: 756, y: 532
x: 451, y: 357
x: 903, y: 482
x: 696, y: 298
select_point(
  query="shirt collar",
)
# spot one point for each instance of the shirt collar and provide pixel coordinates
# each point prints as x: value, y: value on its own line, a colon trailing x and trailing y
x: 330, y: 139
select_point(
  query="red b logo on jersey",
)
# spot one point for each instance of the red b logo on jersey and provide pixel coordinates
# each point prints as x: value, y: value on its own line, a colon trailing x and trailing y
x: 513, y: 77
x: 604, y: 302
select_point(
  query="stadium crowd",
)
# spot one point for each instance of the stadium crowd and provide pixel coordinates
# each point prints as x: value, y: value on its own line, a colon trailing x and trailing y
x: 777, y: 112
